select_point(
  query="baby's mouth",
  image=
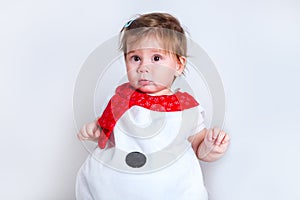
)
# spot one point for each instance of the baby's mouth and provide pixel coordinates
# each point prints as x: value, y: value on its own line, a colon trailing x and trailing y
x: 144, y: 82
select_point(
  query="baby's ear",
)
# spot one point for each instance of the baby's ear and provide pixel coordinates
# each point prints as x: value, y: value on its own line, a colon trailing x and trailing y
x: 181, y: 65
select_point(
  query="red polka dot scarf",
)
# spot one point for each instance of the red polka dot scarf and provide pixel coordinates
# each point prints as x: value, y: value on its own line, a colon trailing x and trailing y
x: 126, y: 96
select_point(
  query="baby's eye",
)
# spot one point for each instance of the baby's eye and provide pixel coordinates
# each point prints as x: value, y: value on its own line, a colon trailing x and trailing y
x: 135, y: 58
x: 157, y: 58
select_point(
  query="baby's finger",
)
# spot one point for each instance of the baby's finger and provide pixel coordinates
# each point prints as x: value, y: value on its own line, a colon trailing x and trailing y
x: 226, y: 139
x: 83, y: 133
x: 220, y: 138
x: 216, y: 132
x: 209, y: 135
x: 92, y: 130
x: 80, y: 136
x: 97, y: 133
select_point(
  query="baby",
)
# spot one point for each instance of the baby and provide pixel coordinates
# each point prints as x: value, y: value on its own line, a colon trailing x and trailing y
x: 150, y: 137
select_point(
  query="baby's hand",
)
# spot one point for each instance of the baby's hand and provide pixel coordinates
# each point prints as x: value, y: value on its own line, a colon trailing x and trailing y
x: 89, y: 131
x: 215, y: 144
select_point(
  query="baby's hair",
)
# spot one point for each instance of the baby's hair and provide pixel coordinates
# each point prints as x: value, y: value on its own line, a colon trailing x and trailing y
x: 163, y: 26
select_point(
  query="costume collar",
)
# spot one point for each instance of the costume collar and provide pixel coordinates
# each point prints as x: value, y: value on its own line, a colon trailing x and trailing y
x: 126, y: 96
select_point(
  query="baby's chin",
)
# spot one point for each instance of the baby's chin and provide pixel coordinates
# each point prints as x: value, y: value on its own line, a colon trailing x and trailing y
x: 152, y: 89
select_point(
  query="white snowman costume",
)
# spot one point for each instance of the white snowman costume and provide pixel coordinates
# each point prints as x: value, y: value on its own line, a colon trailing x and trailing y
x: 147, y: 156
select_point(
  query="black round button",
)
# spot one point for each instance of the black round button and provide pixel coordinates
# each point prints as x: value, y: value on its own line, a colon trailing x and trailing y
x: 135, y: 159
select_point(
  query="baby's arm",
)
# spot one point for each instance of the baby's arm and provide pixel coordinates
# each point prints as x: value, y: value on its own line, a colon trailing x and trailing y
x: 210, y: 145
x: 89, y: 131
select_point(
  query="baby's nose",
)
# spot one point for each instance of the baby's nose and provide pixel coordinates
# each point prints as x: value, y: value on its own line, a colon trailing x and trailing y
x: 143, y: 68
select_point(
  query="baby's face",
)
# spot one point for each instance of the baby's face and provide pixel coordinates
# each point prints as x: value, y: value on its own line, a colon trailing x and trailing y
x: 150, y: 68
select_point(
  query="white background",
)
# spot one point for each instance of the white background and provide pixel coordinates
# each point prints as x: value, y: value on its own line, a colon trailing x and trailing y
x: 254, y: 44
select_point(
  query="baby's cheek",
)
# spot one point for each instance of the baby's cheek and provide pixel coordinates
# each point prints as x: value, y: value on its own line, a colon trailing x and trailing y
x: 164, y: 77
x: 131, y: 76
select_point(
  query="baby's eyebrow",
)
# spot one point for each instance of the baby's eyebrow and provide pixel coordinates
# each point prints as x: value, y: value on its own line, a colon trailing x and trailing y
x: 153, y: 50
x: 131, y: 52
